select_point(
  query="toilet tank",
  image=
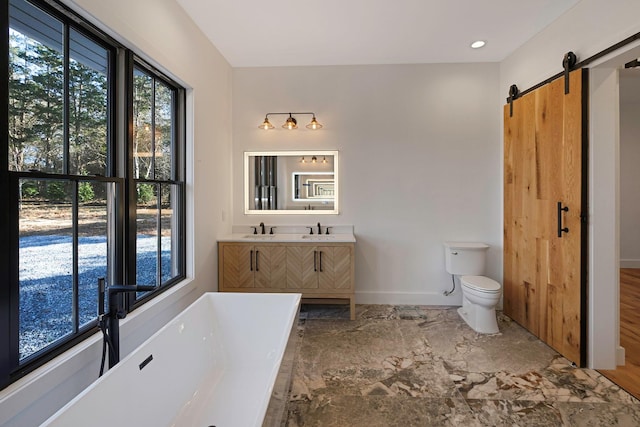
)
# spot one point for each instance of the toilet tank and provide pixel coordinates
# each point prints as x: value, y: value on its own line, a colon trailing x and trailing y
x: 465, y: 258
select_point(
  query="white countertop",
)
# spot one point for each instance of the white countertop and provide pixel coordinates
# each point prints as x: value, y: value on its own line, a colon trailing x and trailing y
x: 291, y: 234
x: 289, y: 238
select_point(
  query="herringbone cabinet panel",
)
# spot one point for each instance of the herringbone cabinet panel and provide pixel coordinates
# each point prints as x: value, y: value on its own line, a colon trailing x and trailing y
x: 301, y: 267
x: 335, y: 270
x: 271, y: 267
x: 237, y: 266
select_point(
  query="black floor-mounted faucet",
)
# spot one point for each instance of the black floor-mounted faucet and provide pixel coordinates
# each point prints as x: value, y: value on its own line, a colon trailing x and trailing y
x: 109, y: 321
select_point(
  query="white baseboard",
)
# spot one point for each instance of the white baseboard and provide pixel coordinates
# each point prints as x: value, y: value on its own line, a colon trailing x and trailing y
x: 620, y: 356
x: 630, y: 263
x: 409, y: 298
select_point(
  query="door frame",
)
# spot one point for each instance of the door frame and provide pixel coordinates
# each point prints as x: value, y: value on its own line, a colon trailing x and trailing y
x: 603, y: 342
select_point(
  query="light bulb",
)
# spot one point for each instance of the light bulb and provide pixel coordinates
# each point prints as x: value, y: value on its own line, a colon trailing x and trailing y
x: 266, y: 125
x: 291, y: 123
x: 314, y: 125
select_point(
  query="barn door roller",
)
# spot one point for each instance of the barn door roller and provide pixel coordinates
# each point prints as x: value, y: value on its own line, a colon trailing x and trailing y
x: 568, y: 63
x: 513, y: 95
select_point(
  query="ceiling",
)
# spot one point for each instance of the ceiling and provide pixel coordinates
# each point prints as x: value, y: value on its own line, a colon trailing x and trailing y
x: 253, y: 33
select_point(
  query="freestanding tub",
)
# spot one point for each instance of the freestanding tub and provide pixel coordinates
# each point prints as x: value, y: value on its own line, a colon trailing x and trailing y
x: 219, y: 363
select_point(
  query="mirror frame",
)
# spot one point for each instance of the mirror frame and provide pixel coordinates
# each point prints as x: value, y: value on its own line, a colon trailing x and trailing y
x: 247, y: 205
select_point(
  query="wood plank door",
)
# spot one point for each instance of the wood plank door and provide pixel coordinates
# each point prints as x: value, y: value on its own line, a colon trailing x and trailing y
x: 544, y: 207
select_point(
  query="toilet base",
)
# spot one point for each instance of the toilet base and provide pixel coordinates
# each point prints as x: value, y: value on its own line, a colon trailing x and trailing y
x: 480, y: 319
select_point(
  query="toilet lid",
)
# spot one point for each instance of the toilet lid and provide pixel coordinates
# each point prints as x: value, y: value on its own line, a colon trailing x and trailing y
x: 481, y: 283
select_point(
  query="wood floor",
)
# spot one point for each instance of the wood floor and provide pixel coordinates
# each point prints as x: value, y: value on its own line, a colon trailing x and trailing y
x: 628, y: 376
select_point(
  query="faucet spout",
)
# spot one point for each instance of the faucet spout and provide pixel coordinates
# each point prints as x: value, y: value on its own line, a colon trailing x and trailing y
x: 262, y: 228
x: 109, y: 322
x: 319, y: 229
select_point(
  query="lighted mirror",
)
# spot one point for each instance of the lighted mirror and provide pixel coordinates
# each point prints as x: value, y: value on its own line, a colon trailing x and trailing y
x: 291, y: 182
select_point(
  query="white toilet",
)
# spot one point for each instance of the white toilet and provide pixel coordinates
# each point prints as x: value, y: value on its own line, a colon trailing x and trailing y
x: 480, y: 294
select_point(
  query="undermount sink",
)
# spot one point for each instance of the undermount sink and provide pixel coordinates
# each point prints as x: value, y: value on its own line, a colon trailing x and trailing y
x: 258, y: 236
x: 318, y: 237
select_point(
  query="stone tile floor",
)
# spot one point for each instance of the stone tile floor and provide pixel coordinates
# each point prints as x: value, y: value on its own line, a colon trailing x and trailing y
x: 421, y: 366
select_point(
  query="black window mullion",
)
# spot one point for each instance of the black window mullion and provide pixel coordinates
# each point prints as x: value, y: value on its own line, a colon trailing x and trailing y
x: 159, y: 235
x: 10, y: 293
x: 75, y: 279
x: 112, y: 117
x: 65, y: 103
x: 175, y: 132
x: 116, y: 167
x: 153, y: 128
x: 4, y: 82
x: 6, y: 291
x: 130, y: 199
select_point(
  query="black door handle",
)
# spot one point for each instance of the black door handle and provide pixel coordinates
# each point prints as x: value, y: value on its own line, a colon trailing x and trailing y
x: 315, y: 264
x: 250, y: 260
x: 560, y: 210
x: 257, y: 255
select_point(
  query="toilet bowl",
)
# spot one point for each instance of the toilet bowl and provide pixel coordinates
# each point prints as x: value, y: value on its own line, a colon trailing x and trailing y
x: 480, y: 294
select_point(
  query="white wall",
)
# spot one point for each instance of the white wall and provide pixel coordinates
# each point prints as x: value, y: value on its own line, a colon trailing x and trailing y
x: 629, y: 170
x: 588, y: 28
x: 168, y: 38
x: 419, y: 163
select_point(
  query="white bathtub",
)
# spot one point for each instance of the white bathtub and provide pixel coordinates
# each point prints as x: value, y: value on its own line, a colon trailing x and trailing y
x: 216, y: 364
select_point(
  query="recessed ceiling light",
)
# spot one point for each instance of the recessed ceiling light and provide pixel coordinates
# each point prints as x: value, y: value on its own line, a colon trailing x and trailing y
x: 478, y: 44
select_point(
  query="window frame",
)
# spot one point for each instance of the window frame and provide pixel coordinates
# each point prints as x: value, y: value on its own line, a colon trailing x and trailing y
x: 178, y: 172
x: 118, y: 169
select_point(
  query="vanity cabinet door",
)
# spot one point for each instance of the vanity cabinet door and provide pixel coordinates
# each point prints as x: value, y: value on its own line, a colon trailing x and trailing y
x: 334, y: 267
x: 270, y: 267
x: 237, y: 266
x: 302, y: 267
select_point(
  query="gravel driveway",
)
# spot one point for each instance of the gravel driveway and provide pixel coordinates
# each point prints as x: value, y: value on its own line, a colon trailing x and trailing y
x: 46, y: 290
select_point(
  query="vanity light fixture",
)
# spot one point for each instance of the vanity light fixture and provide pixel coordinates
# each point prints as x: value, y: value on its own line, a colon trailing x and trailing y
x: 314, y: 159
x: 291, y: 122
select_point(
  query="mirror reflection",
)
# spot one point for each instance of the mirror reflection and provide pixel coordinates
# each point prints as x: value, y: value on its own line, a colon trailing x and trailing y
x: 318, y: 186
x: 291, y: 182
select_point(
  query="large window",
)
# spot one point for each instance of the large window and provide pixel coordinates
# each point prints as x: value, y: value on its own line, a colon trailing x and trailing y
x: 155, y: 175
x: 91, y: 187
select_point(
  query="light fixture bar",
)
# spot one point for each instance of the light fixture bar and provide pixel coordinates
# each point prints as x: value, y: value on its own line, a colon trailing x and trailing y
x: 291, y: 122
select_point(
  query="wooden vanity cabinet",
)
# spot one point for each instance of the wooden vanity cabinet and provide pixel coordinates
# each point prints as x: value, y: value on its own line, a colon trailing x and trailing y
x: 319, y: 267
x: 249, y: 266
x: 320, y: 272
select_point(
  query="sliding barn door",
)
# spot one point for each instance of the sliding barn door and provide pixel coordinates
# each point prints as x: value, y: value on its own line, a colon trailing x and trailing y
x: 544, y: 203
